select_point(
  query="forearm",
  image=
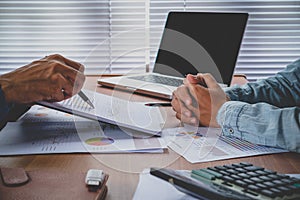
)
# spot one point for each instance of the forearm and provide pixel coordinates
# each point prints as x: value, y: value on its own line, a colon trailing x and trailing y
x: 281, y: 90
x: 262, y: 124
x: 10, y: 111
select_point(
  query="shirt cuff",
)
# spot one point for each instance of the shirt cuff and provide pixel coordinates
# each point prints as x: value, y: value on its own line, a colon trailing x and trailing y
x: 4, y: 106
x: 228, y: 116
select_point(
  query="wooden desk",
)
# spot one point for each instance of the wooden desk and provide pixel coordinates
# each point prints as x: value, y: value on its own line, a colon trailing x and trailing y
x: 124, y: 168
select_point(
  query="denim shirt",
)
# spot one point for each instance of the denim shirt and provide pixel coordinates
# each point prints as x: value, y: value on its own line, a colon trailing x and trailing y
x: 265, y: 112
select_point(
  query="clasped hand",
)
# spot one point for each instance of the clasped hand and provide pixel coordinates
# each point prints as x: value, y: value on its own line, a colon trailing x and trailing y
x: 52, y: 78
x: 198, y: 100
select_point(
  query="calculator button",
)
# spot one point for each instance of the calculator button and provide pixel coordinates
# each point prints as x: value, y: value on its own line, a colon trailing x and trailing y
x: 238, y: 165
x: 248, y: 181
x: 270, y: 184
x: 260, y: 185
x: 256, y: 179
x: 284, y: 189
x: 228, y: 179
x: 273, y: 176
x: 213, y: 169
x: 278, y: 182
x: 235, y: 177
x: 253, y: 168
x: 242, y: 175
x: 268, y: 193
x: 288, y: 181
x: 277, y: 192
x: 252, y: 174
x: 265, y: 178
x: 262, y: 172
x: 246, y: 164
x: 297, y: 185
x: 220, y: 168
x: 229, y: 166
x: 241, y: 183
x: 281, y: 176
x: 241, y: 170
x: 216, y: 174
x: 204, y: 174
x: 269, y: 171
x: 254, y: 188
x: 231, y: 171
x: 292, y: 188
x: 224, y: 173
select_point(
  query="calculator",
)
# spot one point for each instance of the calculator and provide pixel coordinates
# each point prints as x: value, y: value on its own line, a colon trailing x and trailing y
x: 235, y: 182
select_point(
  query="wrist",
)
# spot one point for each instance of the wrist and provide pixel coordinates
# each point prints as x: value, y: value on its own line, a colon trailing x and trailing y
x: 5, y: 88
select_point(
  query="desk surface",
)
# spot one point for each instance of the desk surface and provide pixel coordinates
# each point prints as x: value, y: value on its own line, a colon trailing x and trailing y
x: 124, y: 168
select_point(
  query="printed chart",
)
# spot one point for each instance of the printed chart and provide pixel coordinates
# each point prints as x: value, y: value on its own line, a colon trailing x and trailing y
x: 207, y: 144
x: 99, y: 141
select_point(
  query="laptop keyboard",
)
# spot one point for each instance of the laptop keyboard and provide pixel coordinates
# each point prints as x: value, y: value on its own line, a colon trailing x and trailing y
x: 159, y: 79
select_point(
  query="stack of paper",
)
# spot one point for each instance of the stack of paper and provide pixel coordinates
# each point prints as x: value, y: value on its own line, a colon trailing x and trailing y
x: 46, y: 131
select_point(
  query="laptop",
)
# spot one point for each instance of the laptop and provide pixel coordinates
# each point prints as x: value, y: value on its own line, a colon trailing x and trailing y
x: 192, y: 42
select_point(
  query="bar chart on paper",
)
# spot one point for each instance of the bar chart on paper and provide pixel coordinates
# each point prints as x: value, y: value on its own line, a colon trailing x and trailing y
x: 207, y: 144
x: 46, y: 131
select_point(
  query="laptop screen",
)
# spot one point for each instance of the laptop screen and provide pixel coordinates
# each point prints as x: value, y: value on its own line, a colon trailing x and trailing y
x: 203, y: 42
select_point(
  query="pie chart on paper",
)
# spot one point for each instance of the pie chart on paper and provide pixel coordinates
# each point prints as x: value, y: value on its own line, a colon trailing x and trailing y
x: 99, y: 141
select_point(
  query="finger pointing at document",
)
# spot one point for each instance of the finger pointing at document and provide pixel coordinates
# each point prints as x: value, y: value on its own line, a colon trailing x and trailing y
x: 52, y: 78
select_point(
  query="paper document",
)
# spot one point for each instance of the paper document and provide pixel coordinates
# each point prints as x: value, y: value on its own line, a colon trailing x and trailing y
x: 151, y: 187
x: 19, y: 138
x: 45, y: 131
x: 109, y: 109
x: 207, y: 144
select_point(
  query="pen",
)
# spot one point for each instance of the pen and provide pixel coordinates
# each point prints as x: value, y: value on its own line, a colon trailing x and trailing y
x: 158, y: 104
x: 86, y: 99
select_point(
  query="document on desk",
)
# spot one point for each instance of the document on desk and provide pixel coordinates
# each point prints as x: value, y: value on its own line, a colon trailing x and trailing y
x: 124, y: 113
x: 206, y: 144
x: 19, y: 138
x: 46, y: 131
x: 151, y: 187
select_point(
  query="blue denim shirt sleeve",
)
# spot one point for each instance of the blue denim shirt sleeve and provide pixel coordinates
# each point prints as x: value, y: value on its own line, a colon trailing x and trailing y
x: 261, y: 123
x: 4, y: 106
x: 266, y: 112
x: 282, y: 90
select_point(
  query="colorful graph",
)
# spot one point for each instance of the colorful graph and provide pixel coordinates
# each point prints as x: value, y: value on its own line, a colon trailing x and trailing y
x: 99, y: 141
x: 40, y: 114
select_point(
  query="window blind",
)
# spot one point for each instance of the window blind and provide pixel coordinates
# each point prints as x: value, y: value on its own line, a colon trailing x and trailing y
x: 120, y: 36
x: 272, y: 36
x: 128, y: 36
x: 106, y: 36
x: 30, y: 30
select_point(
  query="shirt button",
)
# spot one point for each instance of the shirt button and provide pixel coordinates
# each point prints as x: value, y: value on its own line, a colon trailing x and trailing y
x: 231, y: 131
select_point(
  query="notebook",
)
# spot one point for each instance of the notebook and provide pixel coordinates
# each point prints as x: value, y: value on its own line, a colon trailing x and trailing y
x: 192, y: 42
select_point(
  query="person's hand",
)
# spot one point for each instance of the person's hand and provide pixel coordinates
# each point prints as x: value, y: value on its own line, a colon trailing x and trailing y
x: 52, y: 78
x: 199, y: 100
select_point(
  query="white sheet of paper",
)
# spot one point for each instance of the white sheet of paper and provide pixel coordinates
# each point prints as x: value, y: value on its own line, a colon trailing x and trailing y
x: 151, y: 187
x: 207, y: 144
x: 44, y: 131
x: 19, y: 138
x: 109, y: 109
